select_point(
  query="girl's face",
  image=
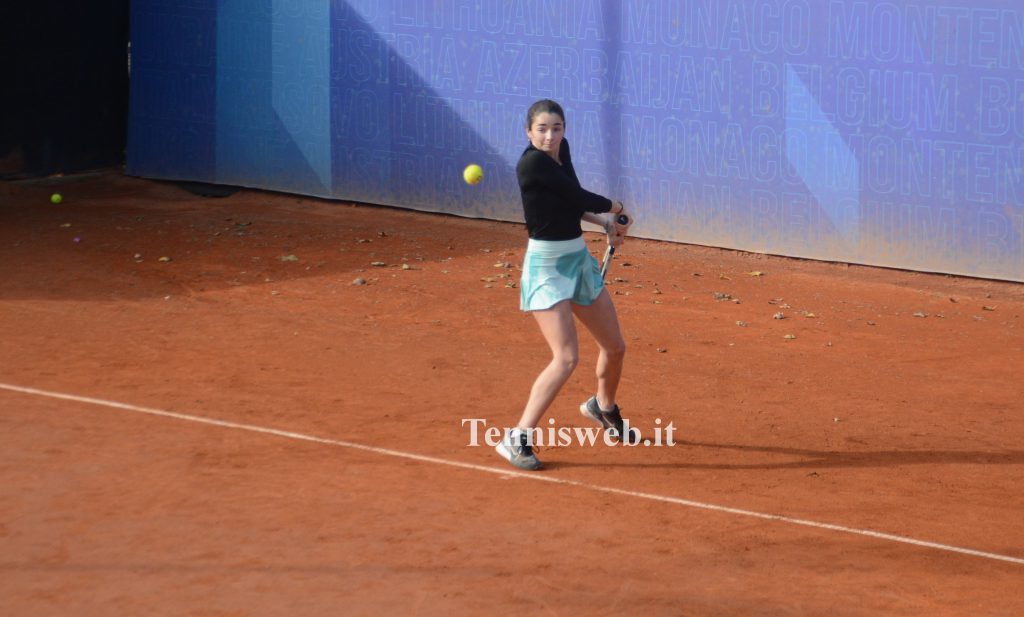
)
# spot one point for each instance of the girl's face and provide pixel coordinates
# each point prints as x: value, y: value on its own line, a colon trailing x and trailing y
x: 546, y: 133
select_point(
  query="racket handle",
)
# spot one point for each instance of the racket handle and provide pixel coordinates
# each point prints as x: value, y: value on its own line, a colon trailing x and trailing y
x: 607, y: 260
x: 622, y: 220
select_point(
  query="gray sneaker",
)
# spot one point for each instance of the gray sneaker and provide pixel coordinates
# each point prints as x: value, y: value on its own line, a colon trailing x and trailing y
x: 519, y: 452
x: 611, y: 421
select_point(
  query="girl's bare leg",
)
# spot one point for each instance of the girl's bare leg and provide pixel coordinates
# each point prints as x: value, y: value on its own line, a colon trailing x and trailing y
x: 559, y: 330
x: 603, y: 323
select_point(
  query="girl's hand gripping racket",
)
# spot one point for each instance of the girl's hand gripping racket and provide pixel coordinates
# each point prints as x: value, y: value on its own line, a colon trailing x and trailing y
x: 610, y: 251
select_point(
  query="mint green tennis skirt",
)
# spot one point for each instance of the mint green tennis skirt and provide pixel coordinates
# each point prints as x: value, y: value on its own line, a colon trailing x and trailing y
x: 557, y: 270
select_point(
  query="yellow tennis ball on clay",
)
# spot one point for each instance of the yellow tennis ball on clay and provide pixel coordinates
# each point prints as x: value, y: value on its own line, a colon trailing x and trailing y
x: 473, y: 174
x: 56, y: 198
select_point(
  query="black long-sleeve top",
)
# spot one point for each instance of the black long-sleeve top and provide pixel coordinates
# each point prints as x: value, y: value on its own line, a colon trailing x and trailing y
x: 553, y: 200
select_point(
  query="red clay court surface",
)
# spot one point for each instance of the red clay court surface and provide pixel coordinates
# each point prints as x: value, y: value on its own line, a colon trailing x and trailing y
x: 316, y: 463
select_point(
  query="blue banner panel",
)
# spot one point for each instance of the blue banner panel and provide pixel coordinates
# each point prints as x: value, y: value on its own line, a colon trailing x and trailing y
x: 882, y: 133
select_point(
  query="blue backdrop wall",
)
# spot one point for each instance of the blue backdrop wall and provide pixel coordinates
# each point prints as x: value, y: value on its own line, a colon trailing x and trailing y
x: 885, y: 133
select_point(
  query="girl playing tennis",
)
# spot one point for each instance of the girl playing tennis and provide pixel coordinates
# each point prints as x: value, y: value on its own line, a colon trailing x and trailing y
x: 561, y: 280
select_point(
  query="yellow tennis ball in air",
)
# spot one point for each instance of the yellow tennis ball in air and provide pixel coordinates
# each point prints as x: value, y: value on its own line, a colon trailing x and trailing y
x: 473, y: 174
x: 56, y: 198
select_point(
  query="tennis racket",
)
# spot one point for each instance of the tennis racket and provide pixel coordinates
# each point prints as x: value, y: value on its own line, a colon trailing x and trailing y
x: 610, y: 251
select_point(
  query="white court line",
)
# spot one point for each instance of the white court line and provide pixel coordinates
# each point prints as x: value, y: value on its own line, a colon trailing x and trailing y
x: 518, y: 474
